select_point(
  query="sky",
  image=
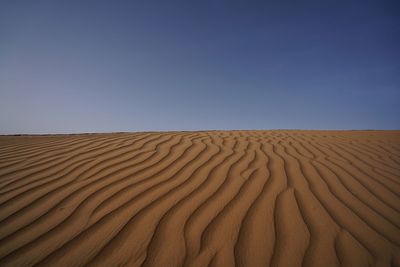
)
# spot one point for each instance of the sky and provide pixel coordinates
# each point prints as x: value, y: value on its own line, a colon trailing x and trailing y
x: 110, y: 66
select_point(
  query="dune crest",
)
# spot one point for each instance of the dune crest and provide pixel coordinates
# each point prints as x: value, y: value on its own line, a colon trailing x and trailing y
x: 212, y: 198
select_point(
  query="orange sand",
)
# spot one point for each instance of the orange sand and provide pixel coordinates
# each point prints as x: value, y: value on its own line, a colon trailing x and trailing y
x: 217, y: 198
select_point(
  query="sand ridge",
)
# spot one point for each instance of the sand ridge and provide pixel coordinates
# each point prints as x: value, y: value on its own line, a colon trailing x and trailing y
x: 209, y: 198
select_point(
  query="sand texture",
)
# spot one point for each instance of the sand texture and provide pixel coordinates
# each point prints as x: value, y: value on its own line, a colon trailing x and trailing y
x: 217, y: 198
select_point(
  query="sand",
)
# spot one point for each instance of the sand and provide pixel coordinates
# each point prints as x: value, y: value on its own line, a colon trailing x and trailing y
x: 217, y: 198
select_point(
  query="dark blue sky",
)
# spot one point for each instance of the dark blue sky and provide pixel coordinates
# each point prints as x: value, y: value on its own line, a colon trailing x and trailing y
x: 102, y: 66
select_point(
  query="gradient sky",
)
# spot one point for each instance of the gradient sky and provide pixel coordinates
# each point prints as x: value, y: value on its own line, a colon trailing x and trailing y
x: 105, y: 66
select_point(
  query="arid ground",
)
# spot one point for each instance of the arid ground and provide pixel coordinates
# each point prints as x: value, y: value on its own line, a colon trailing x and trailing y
x: 216, y: 198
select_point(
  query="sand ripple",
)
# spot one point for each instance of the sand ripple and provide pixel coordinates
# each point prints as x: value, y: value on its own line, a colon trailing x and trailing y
x: 217, y: 198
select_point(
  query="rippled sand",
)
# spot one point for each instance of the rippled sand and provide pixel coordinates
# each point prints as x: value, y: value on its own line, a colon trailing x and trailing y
x: 216, y: 198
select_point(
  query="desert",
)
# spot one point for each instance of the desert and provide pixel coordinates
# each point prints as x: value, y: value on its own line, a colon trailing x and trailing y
x: 203, y: 198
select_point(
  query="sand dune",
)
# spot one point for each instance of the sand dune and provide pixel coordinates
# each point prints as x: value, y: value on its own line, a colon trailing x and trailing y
x: 217, y: 198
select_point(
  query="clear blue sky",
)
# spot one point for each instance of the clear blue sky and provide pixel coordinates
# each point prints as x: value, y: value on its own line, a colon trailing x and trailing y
x: 103, y: 66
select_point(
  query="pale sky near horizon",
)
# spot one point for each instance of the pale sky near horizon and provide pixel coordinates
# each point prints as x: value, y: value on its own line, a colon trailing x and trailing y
x: 107, y: 66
